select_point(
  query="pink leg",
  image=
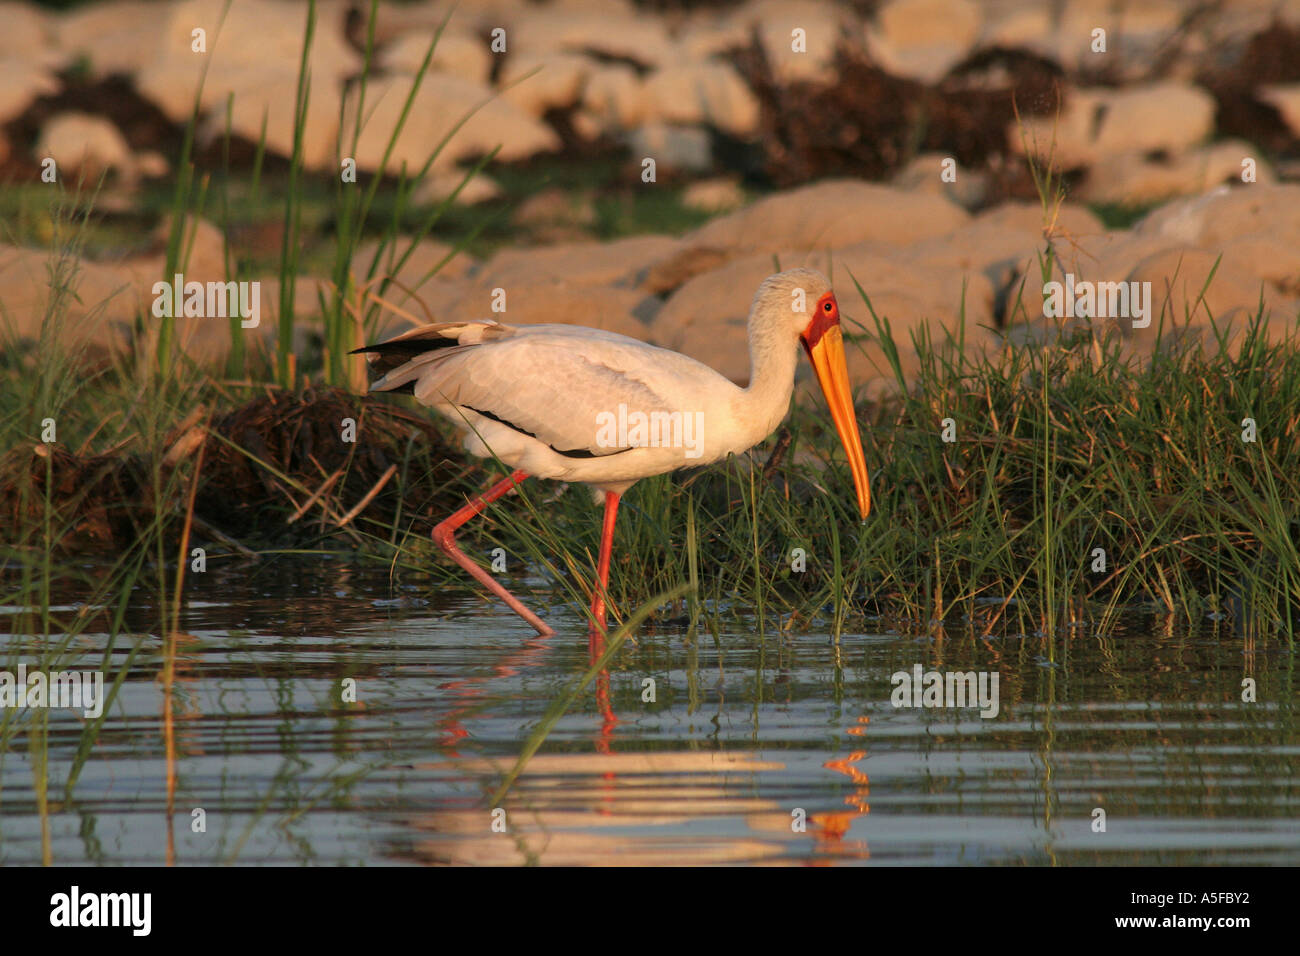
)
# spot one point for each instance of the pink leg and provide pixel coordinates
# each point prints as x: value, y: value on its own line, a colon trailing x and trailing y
x: 602, y: 564
x: 444, y: 535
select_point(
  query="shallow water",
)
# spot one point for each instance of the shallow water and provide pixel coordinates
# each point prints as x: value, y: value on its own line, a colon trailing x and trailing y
x: 746, y: 738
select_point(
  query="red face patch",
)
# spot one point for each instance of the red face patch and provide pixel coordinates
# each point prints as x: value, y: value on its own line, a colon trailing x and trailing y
x: 826, y: 316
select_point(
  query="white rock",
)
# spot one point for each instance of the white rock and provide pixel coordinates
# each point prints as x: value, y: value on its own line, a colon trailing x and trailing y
x: 671, y: 147
x: 98, y: 308
x: 616, y: 262
x: 714, y: 195
x: 122, y: 36
x: 1228, y: 213
x: 545, y: 29
x: 1063, y: 219
x: 1135, y: 30
x: 706, y: 317
x: 1134, y: 179
x: 458, y: 53
x: 22, y: 82
x: 440, y: 103
x: 1181, y: 285
x: 397, y: 20
x: 420, y: 259
x: 1031, y: 27
x: 996, y: 252
x: 85, y: 144
x: 923, y: 39
x: 205, y: 243
x: 706, y: 34
x: 1265, y: 257
x: 927, y: 173
x: 823, y: 26
x: 587, y: 126
x: 615, y: 96
x: 436, y: 187
x: 259, y: 96
x: 27, y: 35
x: 555, y: 300
x: 537, y: 82
x: 703, y: 93
x: 255, y: 57
x: 1099, y: 123
x: 832, y: 214
x: 1285, y: 98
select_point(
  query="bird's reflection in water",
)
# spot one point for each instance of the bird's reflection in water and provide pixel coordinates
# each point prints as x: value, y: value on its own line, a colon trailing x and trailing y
x: 474, y: 693
x: 830, y: 828
x: 626, y: 808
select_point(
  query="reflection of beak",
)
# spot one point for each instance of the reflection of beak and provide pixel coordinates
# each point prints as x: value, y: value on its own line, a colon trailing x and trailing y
x: 827, y: 357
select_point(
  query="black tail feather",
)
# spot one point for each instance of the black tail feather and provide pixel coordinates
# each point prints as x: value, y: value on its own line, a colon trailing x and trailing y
x: 397, y: 352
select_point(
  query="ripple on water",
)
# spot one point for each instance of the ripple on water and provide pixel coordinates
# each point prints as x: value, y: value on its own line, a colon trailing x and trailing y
x: 752, y: 751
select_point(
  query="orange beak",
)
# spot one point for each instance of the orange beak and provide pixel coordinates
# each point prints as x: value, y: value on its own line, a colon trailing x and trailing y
x: 827, y: 356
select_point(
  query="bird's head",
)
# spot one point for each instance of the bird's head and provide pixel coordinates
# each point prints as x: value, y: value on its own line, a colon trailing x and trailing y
x: 806, y: 296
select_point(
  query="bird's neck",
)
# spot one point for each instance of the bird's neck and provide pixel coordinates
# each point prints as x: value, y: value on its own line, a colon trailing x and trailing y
x: 772, y: 360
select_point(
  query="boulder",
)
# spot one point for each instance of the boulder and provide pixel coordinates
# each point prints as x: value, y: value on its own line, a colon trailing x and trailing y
x: 823, y: 27
x: 923, y: 39
x: 618, y: 262
x: 420, y: 259
x: 440, y: 103
x: 831, y: 214
x: 614, y: 96
x: 203, y: 248
x: 671, y: 147
x: 636, y: 38
x: 721, y: 194
x: 1098, y: 123
x: 458, y: 53
x: 1285, y: 98
x: 87, y: 304
x: 710, y: 300
x: 85, y: 145
x: 537, y: 82
x: 118, y: 37
x: 1228, y: 213
x: 706, y: 34
x: 996, y: 252
x: 1065, y: 219
x: 1135, y: 30
x: 28, y: 36
x: 21, y: 84
x: 601, y: 307
x: 927, y: 173
x: 252, y: 56
x: 711, y: 94
x: 1135, y: 179
x: 722, y: 345
x: 1181, y: 287
x: 900, y: 292
x: 1268, y: 258
x: 436, y: 187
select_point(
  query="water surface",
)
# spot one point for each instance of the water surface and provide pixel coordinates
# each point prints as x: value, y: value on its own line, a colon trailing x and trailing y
x: 772, y: 749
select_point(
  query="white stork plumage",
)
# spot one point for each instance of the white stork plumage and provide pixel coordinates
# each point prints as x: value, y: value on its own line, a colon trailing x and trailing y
x: 544, y: 399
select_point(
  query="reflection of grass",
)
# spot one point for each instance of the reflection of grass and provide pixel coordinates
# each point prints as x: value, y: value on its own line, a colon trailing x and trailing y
x: 560, y: 707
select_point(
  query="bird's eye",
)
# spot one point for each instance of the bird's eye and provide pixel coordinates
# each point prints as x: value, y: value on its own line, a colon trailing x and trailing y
x: 826, y: 307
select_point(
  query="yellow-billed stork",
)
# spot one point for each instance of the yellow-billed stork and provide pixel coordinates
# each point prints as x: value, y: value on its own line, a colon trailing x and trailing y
x: 583, y: 405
